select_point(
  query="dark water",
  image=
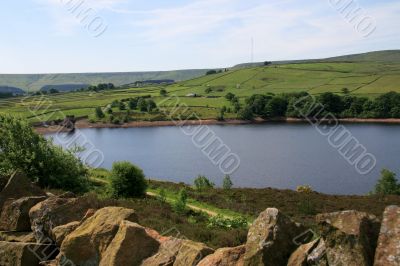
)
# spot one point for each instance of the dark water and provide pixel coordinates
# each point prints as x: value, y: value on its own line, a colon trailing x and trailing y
x: 273, y: 155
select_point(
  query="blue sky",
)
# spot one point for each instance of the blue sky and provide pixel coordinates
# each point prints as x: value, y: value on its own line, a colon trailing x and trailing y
x: 49, y: 36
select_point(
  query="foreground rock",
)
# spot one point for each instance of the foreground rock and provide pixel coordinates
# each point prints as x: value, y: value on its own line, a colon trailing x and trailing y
x: 166, y: 254
x: 56, y: 211
x: 300, y: 256
x: 24, y: 254
x: 87, y: 244
x: 225, y: 257
x: 19, y: 186
x: 130, y: 246
x: 59, y: 233
x: 388, y: 250
x: 350, y: 237
x: 191, y: 253
x: 15, y: 213
x: 270, y: 239
x: 23, y: 237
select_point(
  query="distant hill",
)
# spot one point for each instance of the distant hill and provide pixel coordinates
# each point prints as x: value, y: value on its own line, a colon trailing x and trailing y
x: 34, y: 82
x: 389, y: 56
x: 65, y: 87
x: 11, y: 90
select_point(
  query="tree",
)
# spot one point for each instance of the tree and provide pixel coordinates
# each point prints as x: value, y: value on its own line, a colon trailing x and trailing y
x: 99, y: 113
x: 229, y: 96
x: 142, y: 104
x: 133, y: 103
x: 151, y: 105
x: 246, y: 113
x: 267, y: 63
x: 332, y: 103
x: 387, y: 184
x: 345, y: 91
x: 208, y: 90
x: 202, y: 183
x: 127, y: 180
x: 211, y: 72
x: 276, y: 107
x: 52, y: 91
x: 163, y: 92
x: 122, y: 106
x: 180, y: 204
x: 227, y: 182
x: 42, y: 161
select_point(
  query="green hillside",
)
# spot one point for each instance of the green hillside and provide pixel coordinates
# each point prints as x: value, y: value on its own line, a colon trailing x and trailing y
x: 369, y: 79
x: 34, y: 82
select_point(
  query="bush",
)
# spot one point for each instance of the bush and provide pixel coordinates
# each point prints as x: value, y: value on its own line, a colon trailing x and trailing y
x: 227, y: 183
x: 127, y: 180
x: 387, y: 184
x: 202, y: 183
x: 99, y: 113
x: 304, y: 189
x: 42, y: 161
x: 180, y: 205
x: 220, y: 221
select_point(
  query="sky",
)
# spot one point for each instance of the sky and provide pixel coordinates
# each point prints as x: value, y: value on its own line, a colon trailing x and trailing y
x: 72, y: 36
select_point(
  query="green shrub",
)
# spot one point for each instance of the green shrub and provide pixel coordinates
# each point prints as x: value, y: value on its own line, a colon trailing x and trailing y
x: 220, y: 221
x: 227, y: 183
x: 127, y: 180
x: 202, y: 183
x: 180, y: 205
x: 387, y: 184
x: 99, y: 113
x: 163, y: 195
x: 42, y: 161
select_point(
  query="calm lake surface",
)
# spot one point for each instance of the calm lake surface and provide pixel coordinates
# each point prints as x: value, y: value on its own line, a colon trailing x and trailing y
x: 271, y: 155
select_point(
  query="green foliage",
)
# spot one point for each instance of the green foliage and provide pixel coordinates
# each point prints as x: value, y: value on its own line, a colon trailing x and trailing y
x: 163, y: 92
x: 203, y: 183
x: 230, y: 96
x: 42, y: 161
x: 246, y: 113
x: 99, y: 113
x: 180, y: 204
x: 220, y: 221
x: 163, y: 195
x: 387, y: 184
x: 306, y: 207
x: 122, y: 106
x: 127, y: 180
x: 211, y: 72
x: 227, y: 183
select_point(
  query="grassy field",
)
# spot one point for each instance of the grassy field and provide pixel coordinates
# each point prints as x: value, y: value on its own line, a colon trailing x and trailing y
x: 368, y: 79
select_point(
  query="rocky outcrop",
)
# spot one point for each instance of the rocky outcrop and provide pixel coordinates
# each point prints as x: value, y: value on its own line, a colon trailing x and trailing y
x: 15, y: 213
x: 24, y: 254
x: 350, y: 237
x: 56, y: 211
x: 130, y: 246
x: 225, y: 257
x: 270, y: 239
x: 191, y: 253
x: 87, y: 244
x: 166, y: 254
x: 23, y: 237
x: 19, y: 186
x: 300, y: 256
x: 59, y: 233
x: 388, y: 249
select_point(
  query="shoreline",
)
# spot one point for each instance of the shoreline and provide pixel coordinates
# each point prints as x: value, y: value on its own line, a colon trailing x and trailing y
x: 84, y: 123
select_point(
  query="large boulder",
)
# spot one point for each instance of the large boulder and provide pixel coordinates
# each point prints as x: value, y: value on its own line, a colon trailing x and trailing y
x: 23, y: 237
x: 19, y: 186
x: 388, y: 249
x: 59, y: 233
x: 166, y: 254
x: 317, y: 256
x: 87, y: 244
x: 270, y: 239
x: 300, y: 256
x: 130, y: 246
x: 225, y: 257
x: 191, y: 253
x: 350, y: 237
x: 15, y: 213
x: 25, y: 254
x: 56, y: 211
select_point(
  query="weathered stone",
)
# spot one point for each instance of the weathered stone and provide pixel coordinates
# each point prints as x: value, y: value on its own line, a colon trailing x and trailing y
x: 299, y: 257
x: 350, y: 237
x: 191, y: 253
x: 56, y: 211
x: 130, y: 246
x: 19, y: 186
x: 225, y: 257
x: 388, y: 249
x: 270, y: 239
x: 86, y: 245
x: 24, y: 237
x: 166, y: 254
x: 15, y: 213
x: 25, y: 254
x: 318, y: 256
x: 59, y: 233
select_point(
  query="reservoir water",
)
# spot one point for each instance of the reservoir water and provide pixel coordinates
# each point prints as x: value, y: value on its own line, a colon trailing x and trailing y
x: 271, y: 155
